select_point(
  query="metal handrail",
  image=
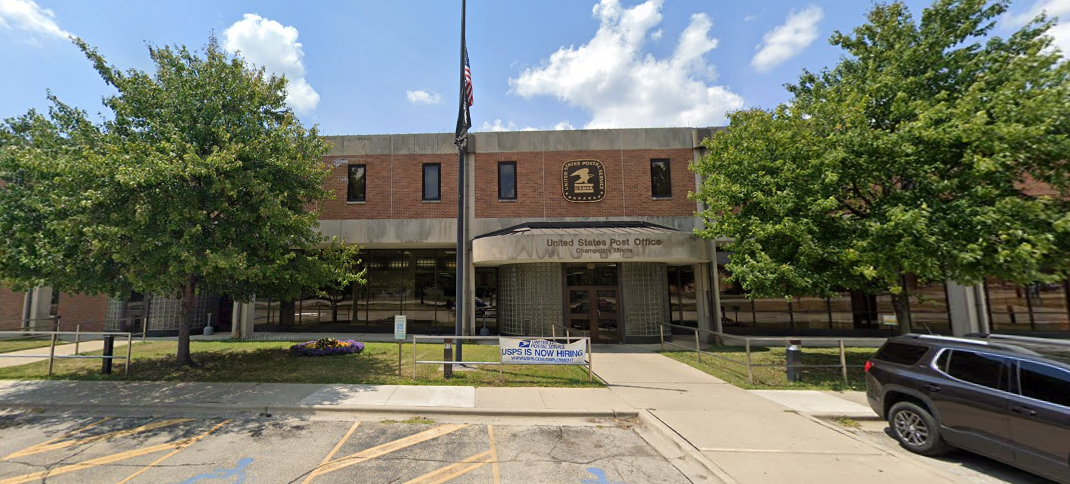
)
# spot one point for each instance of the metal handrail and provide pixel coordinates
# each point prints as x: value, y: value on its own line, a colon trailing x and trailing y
x: 55, y: 338
x: 747, y: 345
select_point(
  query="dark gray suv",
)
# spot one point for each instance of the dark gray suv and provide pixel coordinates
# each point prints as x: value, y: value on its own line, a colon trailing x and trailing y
x: 1005, y: 397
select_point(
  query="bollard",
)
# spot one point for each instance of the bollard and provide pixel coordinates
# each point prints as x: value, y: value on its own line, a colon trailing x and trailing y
x: 109, y: 350
x: 794, y: 360
x: 447, y: 355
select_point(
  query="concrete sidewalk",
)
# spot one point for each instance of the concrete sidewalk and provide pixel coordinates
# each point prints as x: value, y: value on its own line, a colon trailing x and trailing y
x: 694, y: 419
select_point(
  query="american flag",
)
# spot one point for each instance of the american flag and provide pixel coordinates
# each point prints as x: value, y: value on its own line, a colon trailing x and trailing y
x: 464, y: 116
x: 468, y: 78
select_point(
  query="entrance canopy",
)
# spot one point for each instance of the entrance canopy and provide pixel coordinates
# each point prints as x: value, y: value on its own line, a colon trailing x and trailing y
x: 588, y: 241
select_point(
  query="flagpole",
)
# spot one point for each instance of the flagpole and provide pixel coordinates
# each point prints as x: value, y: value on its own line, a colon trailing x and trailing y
x: 461, y: 245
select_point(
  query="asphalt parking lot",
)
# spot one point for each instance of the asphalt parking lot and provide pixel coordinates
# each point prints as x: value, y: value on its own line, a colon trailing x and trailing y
x: 64, y: 449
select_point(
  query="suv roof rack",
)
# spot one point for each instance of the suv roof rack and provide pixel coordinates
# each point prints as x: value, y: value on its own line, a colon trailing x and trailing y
x: 938, y: 337
x: 1025, y: 339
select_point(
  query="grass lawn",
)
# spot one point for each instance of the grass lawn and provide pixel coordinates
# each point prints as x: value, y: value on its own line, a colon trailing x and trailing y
x: 775, y: 378
x: 17, y: 344
x: 270, y: 362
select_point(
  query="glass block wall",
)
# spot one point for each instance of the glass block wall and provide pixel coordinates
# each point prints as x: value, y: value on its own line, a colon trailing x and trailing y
x: 530, y: 298
x: 645, y: 297
x: 163, y: 314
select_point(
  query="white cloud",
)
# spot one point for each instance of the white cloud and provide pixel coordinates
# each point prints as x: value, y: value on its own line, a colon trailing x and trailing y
x: 788, y: 39
x: 1060, y: 33
x: 423, y: 97
x: 563, y: 125
x: 28, y: 16
x: 620, y: 86
x: 498, y: 126
x: 269, y: 44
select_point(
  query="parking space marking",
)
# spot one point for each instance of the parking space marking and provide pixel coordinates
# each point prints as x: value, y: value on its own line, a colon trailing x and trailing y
x: 493, y: 456
x: 380, y: 450
x: 454, y: 470
x: 338, y: 446
x: 54, y: 445
x: 177, y: 445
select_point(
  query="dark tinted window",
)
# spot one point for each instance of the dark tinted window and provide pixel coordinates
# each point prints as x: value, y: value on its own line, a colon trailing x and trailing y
x: 1045, y: 383
x: 902, y: 353
x: 660, y: 182
x: 355, y: 191
x: 941, y: 361
x: 431, y: 181
x: 506, y: 180
x: 976, y: 368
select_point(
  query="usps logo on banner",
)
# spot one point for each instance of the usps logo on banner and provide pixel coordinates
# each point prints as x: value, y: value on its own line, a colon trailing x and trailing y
x: 520, y: 351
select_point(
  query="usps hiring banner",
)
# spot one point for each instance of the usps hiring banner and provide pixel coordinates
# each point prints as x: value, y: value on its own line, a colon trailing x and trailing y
x: 521, y: 351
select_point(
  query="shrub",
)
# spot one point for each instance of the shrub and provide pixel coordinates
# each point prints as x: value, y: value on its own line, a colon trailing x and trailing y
x: 327, y: 347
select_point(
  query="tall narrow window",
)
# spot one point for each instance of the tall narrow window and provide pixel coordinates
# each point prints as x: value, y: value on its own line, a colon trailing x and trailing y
x: 432, y: 178
x: 355, y: 191
x: 506, y: 180
x: 660, y: 182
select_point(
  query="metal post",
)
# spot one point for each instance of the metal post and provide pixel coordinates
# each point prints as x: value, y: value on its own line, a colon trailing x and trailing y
x: 553, y: 331
x: 129, y: 352
x: 77, y: 337
x: 109, y: 351
x: 750, y: 370
x: 399, y: 357
x: 661, y: 329
x: 698, y: 351
x: 590, y: 362
x: 843, y: 362
x: 499, y: 359
x: 52, y: 354
x: 414, y: 357
x: 447, y: 355
x: 461, y: 283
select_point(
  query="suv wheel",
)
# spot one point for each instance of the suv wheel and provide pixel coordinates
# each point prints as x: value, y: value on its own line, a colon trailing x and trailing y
x: 916, y: 429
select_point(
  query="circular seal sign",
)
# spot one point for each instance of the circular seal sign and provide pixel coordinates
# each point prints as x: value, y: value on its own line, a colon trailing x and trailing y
x: 583, y: 181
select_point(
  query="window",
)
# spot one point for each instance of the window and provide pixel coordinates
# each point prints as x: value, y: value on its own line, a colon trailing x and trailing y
x: 432, y: 181
x: 506, y: 180
x: 660, y: 182
x: 355, y: 191
x: 901, y: 353
x: 976, y: 368
x: 1045, y: 383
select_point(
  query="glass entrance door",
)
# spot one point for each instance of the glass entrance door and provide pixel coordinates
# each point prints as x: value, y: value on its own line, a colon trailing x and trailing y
x: 594, y: 309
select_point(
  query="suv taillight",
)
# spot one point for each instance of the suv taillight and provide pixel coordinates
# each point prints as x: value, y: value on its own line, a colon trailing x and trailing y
x: 869, y: 365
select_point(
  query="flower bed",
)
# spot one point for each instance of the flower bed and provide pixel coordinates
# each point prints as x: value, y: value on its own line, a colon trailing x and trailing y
x: 327, y: 347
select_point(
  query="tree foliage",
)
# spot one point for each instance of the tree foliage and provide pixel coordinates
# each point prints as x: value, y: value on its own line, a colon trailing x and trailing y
x: 934, y: 148
x: 202, y: 181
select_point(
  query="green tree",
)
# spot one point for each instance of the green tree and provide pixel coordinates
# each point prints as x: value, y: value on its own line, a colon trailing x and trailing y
x: 202, y: 182
x: 909, y: 157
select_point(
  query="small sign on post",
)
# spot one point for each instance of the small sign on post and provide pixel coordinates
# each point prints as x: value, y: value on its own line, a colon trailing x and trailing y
x: 399, y: 334
x: 399, y: 328
x: 889, y: 320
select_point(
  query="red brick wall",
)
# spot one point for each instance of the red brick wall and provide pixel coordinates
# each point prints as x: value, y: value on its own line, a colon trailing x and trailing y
x: 79, y: 308
x: 11, y: 306
x: 627, y: 185
x: 394, y: 188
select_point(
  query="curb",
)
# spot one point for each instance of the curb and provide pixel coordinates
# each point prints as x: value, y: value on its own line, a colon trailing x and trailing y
x: 311, y: 409
x: 688, y: 460
x: 833, y: 415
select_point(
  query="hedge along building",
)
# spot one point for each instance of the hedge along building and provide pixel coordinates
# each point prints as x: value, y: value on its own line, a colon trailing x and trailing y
x: 585, y: 229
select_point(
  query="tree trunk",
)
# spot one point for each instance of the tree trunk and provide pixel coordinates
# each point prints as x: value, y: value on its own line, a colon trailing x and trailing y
x: 189, y: 295
x: 901, y: 303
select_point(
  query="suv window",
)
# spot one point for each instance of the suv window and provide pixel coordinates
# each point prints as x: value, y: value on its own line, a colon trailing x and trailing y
x: 1044, y: 382
x: 976, y: 368
x: 901, y: 353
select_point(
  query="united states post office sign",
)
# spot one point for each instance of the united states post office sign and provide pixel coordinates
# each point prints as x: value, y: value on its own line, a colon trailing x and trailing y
x: 583, y: 181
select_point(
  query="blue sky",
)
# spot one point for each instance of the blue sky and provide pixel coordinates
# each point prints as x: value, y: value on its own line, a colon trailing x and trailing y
x: 372, y: 67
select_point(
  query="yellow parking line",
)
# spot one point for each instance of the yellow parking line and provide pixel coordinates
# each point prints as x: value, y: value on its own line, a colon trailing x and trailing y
x: 61, y: 437
x: 494, y: 456
x: 455, y: 470
x: 150, y: 466
x: 338, y: 446
x: 181, y: 444
x: 47, y: 446
x: 381, y: 450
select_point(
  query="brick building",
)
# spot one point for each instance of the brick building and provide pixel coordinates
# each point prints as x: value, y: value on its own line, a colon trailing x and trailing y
x: 582, y: 229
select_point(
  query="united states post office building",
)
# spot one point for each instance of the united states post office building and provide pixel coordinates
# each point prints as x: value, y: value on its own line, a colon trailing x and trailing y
x: 579, y: 229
